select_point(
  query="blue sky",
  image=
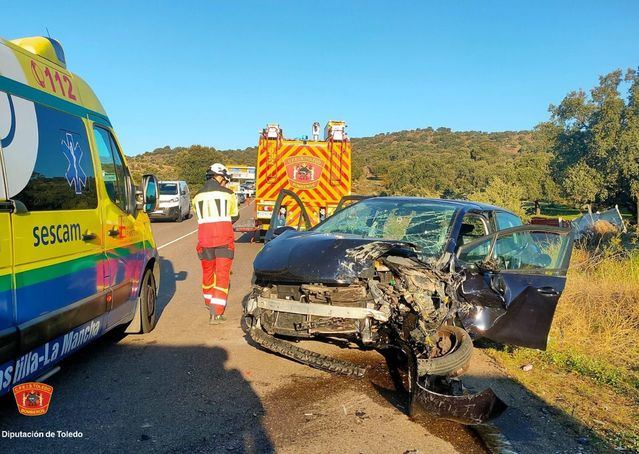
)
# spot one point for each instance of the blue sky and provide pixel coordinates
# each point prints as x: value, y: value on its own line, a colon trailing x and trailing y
x: 215, y: 72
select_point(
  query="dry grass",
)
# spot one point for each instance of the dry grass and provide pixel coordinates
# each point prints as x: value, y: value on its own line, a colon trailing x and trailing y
x: 598, y: 315
x: 591, y: 368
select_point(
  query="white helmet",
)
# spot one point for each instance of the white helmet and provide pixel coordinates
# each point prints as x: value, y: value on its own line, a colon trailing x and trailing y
x: 220, y: 169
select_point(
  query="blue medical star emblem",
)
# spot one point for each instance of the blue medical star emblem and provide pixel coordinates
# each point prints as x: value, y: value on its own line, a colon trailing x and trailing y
x: 75, y: 174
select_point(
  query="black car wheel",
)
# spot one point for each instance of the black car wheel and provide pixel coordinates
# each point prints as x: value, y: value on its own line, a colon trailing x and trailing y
x: 148, y: 302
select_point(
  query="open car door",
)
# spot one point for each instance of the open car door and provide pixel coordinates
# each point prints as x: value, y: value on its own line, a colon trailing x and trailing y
x: 289, y: 213
x: 514, y: 279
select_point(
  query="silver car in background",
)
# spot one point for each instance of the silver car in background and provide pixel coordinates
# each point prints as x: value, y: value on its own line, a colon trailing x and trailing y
x: 175, y: 201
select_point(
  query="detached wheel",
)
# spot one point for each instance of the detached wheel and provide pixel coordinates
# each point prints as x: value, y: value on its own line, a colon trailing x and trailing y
x: 454, y: 351
x: 148, y: 302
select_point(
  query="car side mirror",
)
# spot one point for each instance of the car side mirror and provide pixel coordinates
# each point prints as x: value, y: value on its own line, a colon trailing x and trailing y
x: 147, y: 199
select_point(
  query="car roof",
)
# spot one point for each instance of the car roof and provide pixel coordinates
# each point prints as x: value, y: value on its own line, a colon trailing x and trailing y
x: 464, y: 205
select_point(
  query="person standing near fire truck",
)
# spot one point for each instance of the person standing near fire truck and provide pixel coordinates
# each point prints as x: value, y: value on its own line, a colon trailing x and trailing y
x: 216, y: 208
x: 316, y: 131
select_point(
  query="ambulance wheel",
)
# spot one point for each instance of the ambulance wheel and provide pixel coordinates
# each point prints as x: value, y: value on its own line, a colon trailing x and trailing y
x: 148, y: 302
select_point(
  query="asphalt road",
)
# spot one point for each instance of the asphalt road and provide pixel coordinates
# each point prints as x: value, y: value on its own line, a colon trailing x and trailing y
x: 191, y: 387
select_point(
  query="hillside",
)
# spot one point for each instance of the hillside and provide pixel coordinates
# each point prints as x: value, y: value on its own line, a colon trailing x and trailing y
x: 187, y: 164
x: 437, y: 162
x: 423, y: 161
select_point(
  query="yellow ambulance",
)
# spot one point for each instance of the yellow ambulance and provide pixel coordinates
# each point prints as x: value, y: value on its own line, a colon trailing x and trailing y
x: 77, y: 256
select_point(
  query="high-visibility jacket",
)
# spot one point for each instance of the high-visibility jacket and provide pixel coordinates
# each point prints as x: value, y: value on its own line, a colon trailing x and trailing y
x: 216, y: 209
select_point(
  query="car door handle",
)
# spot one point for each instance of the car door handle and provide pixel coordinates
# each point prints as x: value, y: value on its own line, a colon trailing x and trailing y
x: 548, y: 291
x: 89, y: 236
x: 113, y: 232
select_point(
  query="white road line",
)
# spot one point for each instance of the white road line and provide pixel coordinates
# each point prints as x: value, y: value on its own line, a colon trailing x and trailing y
x: 177, y: 239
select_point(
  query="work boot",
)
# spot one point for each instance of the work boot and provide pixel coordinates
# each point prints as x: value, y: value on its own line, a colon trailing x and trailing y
x: 216, y: 319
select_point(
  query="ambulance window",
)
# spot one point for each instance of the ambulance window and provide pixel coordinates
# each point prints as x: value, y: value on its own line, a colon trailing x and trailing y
x: 62, y: 176
x: 113, y: 170
x: 128, y: 180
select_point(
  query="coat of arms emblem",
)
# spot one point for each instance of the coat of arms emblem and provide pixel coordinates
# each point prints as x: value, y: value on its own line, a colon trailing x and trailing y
x: 304, y: 172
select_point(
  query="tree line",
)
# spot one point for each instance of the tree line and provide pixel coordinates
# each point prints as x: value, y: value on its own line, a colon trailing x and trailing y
x: 186, y: 163
x: 585, y: 154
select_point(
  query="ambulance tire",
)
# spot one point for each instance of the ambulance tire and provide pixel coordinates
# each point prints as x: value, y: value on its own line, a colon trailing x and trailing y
x: 148, y: 302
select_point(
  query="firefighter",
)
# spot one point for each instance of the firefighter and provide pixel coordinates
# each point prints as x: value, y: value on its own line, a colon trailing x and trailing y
x: 316, y: 131
x: 216, y: 208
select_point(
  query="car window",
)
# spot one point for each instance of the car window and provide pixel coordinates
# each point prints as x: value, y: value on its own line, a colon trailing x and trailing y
x: 507, y: 220
x: 63, y: 176
x: 534, y: 251
x: 528, y: 250
x: 476, y: 253
x: 423, y: 223
x: 168, y: 188
x: 113, y: 171
x: 473, y: 226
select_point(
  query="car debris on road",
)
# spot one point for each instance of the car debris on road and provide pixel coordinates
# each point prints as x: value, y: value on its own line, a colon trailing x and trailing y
x: 412, y: 278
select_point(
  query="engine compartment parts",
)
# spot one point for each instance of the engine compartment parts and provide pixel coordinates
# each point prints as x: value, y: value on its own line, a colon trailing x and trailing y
x: 397, y: 303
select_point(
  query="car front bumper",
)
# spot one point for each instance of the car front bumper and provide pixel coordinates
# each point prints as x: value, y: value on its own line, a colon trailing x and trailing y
x: 169, y: 212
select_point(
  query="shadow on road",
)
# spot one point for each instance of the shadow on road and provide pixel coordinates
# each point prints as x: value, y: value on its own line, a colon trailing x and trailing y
x: 528, y: 425
x: 151, y: 397
x: 247, y: 237
x: 168, y: 278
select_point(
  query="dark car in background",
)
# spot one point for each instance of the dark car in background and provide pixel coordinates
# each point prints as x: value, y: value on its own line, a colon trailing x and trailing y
x: 410, y: 274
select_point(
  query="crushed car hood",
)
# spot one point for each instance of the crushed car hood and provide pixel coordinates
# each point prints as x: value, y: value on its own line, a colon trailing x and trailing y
x: 300, y: 257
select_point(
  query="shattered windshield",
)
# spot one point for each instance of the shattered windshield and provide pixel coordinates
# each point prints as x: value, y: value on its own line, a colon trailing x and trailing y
x: 424, y: 223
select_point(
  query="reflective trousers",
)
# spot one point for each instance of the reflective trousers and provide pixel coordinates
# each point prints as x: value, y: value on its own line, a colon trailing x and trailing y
x: 216, y: 275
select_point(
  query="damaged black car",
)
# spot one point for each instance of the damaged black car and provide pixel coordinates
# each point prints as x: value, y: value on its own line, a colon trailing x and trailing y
x: 417, y: 279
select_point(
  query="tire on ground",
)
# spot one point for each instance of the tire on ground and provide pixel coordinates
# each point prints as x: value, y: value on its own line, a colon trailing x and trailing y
x: 148, y: 302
